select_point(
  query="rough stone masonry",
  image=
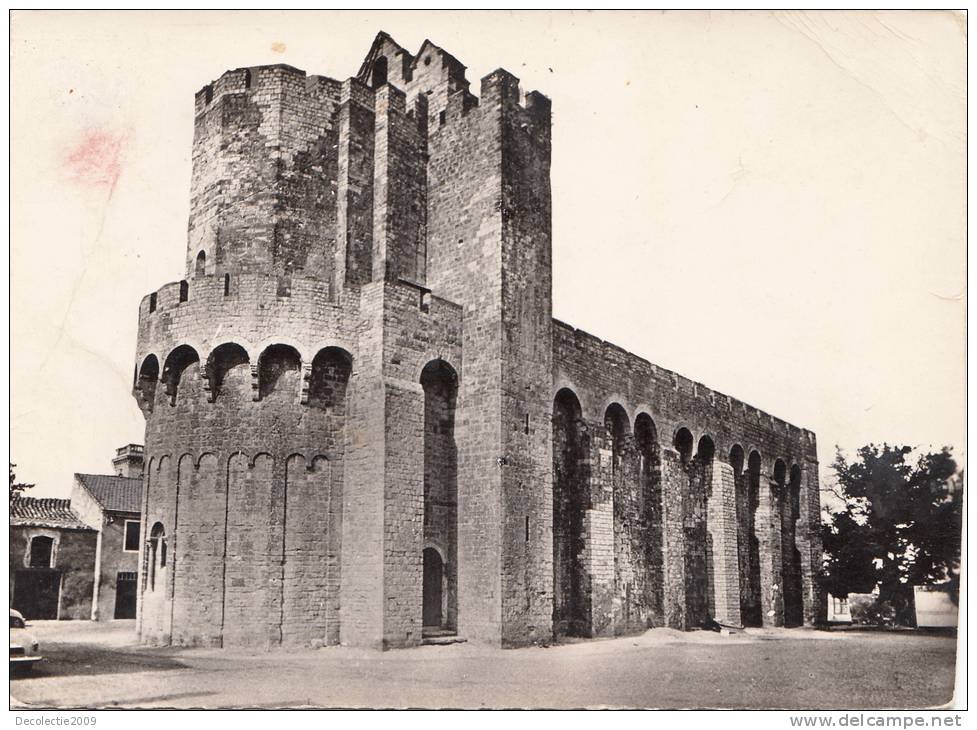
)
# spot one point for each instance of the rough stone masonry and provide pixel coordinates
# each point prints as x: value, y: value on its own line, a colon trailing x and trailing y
x: 364, y: 426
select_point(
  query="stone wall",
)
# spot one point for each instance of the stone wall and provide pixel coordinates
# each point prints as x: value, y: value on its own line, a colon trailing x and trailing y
x: 724, y: 525
x: 72, y: 557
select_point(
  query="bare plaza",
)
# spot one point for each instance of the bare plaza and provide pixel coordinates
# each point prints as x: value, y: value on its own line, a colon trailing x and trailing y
x: 102, y: 665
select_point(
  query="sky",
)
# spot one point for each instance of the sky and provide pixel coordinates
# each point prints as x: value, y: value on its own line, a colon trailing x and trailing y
x: 772, y: 204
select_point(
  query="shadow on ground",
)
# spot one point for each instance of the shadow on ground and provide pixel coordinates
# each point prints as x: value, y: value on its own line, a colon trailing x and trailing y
x: 69, y: 659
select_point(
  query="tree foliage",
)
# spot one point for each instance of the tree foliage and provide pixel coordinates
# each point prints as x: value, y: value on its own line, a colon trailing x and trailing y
x: 16, y: 488
x: 900, y: 525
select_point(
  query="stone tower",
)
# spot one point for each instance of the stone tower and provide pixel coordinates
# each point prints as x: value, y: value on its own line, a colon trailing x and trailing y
x: 319, y: 451
x: 128, y: 461
x: 364, y: 426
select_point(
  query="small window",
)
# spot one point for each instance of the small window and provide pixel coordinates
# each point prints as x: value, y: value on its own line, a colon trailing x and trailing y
x: 131, y: 544
x: 441, y: 118
x: 184, y: 291
x: 41, y: 549
x: 201, y: 265
x: 157, y: 554
x: 152, y: 302
x: 227, y: 284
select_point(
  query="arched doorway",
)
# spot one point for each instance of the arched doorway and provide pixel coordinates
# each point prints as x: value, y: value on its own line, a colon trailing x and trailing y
x: 433, y: 589
x: 440, y: 384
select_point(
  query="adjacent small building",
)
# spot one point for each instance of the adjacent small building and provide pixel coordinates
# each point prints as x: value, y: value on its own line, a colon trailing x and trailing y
x: 109, y: 503
x: 78, y: 558
x: 52, y: 559
x: 838, y: 610
x: 935, y: 607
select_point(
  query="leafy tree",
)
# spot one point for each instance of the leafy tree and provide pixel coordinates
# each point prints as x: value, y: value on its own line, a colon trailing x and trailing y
x: 900, y: 525
x: 15, y: 487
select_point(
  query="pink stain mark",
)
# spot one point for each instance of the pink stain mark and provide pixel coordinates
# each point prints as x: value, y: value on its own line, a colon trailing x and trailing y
x: 95, y: 159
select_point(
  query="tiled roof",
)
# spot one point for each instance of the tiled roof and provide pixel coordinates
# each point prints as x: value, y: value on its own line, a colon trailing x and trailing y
x: 32, y: 512
x: 119, y: 494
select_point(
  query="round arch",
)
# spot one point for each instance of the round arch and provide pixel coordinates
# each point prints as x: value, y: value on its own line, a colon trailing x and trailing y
x: 200, y: 264
x: 275, y: 364
x: 177, y: 362
x: 705, y: 450
x: 221, y: 360
x: 737, y: 459
x: 683, y: 442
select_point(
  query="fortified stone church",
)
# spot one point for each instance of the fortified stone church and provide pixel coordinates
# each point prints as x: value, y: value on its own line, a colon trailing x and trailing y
x: 364, y: 425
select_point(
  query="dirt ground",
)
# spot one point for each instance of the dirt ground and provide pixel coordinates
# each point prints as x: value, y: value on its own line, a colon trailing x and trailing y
x: 99, y: 665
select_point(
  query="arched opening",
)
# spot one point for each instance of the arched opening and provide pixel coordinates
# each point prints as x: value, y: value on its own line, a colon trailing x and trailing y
x: 433, y: 591
x: 794, y: 492
x: 628, y: 550
x: 780, y: 477
x: 571, y: 500
x: 751, y: 605
x: 440, y: 384
x: 705, y: 451
x: 179, y: 362
x: 651, y: 579
x: 793, y: 590
x: 42, y: 550
x: 200, y: 266
x: 146, y: 382
x: 229, y: 371
x: 156, y: 555
x: 279, y: 373
x: 683, y: 444
x: 378, y: 75
x: 617, y: 428
x: 737, y: 461
x: 778, y: 490
x: 331, y: 368
x: 699, y: 578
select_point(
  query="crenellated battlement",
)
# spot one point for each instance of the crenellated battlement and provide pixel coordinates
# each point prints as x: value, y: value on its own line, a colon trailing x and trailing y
x: 258, y: 80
